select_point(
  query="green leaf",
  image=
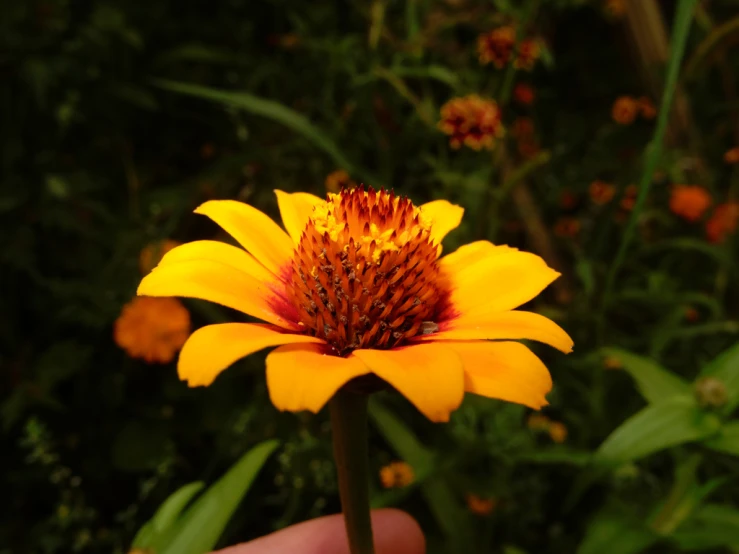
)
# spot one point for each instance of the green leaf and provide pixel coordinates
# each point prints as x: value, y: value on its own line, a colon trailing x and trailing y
x: 166, y: 516
x: 199, y: 529
x: 655, y: 383
x: 274, y: 111
x: 725, y: 368
x: 616, y: 534
x: 710, y: 526
x: 727, y: 440
x: 442, y: 501
x: 656, y: 427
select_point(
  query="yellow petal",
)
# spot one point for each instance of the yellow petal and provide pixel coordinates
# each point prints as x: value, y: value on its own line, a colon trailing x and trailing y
x: 302, y: 377
x: 505, y: 370
x: 213, y: 348
x: 215, y: 251
x: 499, y: 282
x: 222, y: 284
x: 511, y: 325
x: 469, y: 254
x: 444, y: 217
x: 295, y: 210
x: 429, y: 375
x: 253, y: 230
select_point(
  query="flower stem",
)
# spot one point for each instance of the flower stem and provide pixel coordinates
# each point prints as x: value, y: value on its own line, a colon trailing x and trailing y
x: 349, y: 427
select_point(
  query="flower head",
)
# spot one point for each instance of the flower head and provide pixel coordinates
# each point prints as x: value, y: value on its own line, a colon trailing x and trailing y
x: 646, y: 107
x: 601, y: 193
x: 396, y: 475
x: 624, y: 110
x: 524, y: 94
x: 722, y: 222
x: 567, y: 227
x: 614, y: 8
x: 356, y: 287
x: 337, y: 180
x: 152, y: 329
x: 496, y: 47
x: 732, y: 156
x: 529, y: 51
x: 557, y: 432
x: 471, y: 121
x: 480, y: 506
x: 689, y: 201
x: 628, y: 200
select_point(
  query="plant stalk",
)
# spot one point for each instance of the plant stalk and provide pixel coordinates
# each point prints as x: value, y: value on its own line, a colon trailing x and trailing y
x: 349, y: 428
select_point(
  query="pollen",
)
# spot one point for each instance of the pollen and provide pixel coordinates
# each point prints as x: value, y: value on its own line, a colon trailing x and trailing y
x: 364, y: 273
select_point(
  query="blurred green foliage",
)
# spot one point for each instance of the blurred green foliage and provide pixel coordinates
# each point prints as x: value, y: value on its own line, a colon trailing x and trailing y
x: 117, y: 118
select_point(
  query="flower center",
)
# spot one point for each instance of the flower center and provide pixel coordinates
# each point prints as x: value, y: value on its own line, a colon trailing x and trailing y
x: 364, y: 274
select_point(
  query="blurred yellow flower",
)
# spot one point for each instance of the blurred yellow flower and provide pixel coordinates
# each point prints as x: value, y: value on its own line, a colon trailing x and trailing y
x: 480, y: 506
x: 396, y: 475
x: 689, y: 201
x: 624, y: 110
x: 471, y: 121
x: 152, y: 254
x: 538, y: 422
x: 356, y: 287
x: 152, y: 329
x: 558, y: 432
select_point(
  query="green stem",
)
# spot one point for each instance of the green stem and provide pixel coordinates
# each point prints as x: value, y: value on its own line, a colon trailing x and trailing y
x: 349, y: 427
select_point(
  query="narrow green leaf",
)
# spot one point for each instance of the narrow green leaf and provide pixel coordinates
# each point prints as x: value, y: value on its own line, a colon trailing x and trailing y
x: 656, y: 427
x: 274, y: 111
x: 655, y: 383
x: 725, y: 368
x: 710, y: 526
x: 678, y: 40
x: 727, y: 440
x: 199, y: 529
x: 165, y: 516
x: 611, y: 533
x: 442, y: 501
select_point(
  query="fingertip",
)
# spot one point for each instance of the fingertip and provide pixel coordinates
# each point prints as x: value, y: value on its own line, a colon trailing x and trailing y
x: 396, y: 532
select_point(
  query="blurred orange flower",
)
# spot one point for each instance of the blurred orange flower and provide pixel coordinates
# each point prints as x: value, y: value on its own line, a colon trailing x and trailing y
x: 612, y: 362
x: 624, y: 110
x: 337, y: 180
x: 646, y: 107
x: 152, y: 254
x: 480, y: 506
x: 558, y: 432
x: 522, y: 127
x: 691, y: 314
x: 524, y: 94
x: 629, y: 198
x: 471, y: 121
x: 528, y: 52
x: 152, y: 329
x: 396, y: 475
x: 689, y: 201
x: 723, y: 222
x: 732, y: 156
x: 496, y: 47
x: 614, y: 8
x: 567, y: 227
x: 567, y: 199
x: 538, y: 422
x: 601, y: 192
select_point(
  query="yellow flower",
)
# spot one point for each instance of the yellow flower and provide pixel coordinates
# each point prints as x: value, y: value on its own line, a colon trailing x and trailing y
x: 152, y: 329
x: 396, y: 475
x: 471, y: 121
x: 356, y: 287
x: 153, y: 253
x: 480, y: 506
